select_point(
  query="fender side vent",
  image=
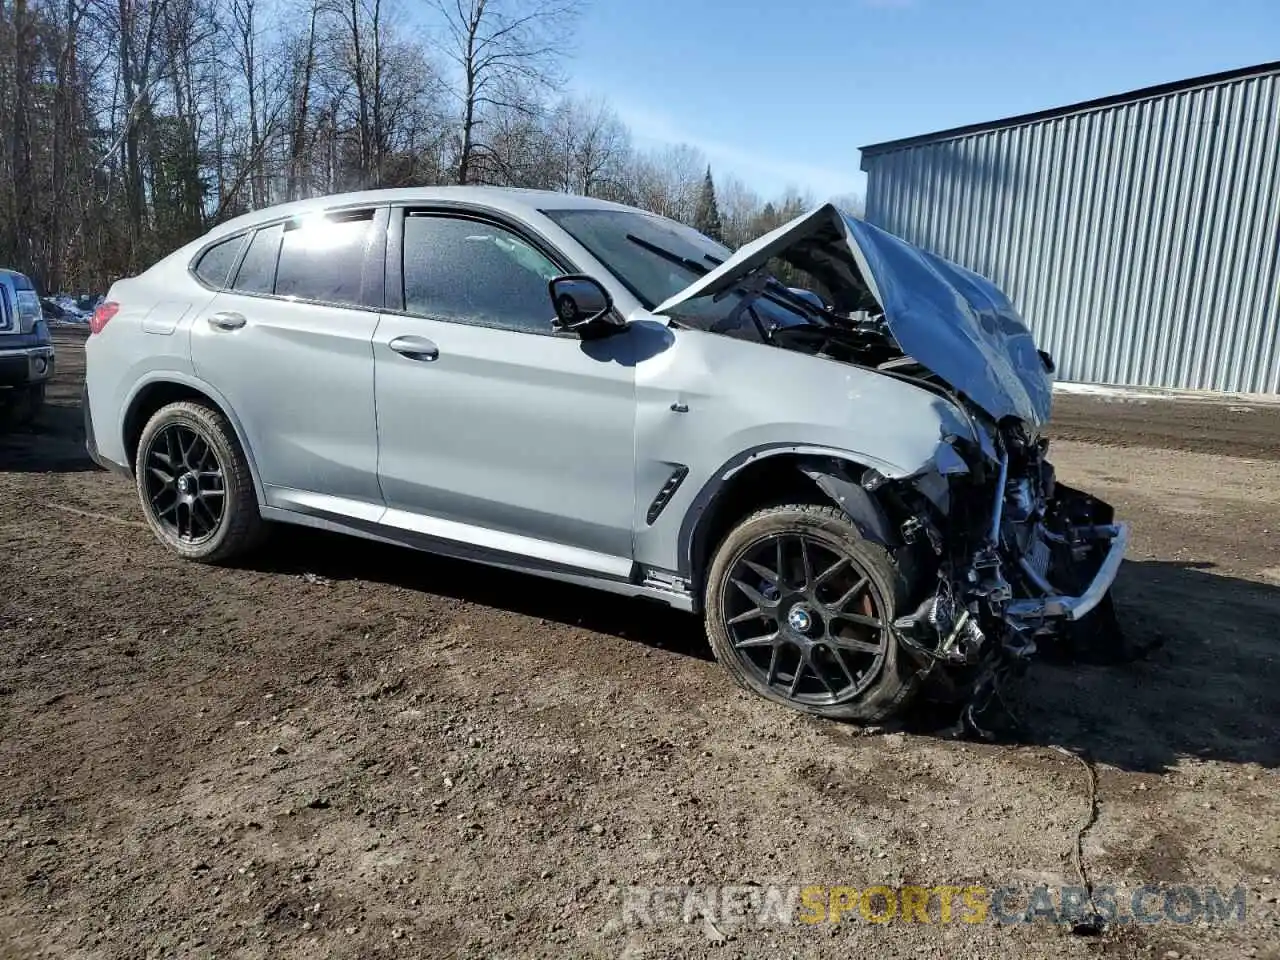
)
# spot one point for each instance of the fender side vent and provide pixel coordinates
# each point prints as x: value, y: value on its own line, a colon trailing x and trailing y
x: 666, y: 493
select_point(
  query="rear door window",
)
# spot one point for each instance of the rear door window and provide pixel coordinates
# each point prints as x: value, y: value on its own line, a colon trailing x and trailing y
x: 323, y: 258
x: 257, y: 274
x: 216, y: 263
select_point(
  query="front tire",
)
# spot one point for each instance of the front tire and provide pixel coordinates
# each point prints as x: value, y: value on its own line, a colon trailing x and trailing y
x: 195, y: 486
x: 799, y: 609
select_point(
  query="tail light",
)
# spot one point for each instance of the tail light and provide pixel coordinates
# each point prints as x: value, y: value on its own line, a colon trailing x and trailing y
x: 105, y: 312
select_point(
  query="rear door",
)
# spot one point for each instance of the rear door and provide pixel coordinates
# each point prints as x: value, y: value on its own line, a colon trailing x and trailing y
x: 289, y: 344
x: 493, y: 429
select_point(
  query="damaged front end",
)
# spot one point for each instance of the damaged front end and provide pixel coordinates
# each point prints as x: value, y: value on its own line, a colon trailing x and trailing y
x: 1005, y: 559
x: 1021, y: 562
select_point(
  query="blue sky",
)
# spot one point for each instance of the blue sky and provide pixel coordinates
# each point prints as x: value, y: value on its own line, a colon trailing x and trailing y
x: 783, y: 94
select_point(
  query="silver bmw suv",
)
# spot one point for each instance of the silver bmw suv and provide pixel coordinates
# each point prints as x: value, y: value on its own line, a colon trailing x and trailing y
x: 829, y: 443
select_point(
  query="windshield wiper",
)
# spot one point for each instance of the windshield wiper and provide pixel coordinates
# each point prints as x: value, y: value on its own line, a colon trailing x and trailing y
x: 699, y: 268
x: 780, y: 291
x: 755, y: 285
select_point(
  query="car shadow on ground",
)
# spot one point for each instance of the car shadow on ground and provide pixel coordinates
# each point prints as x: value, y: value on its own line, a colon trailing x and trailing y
x: 54, y: 443
x: 298, y: 550
x: 1208, y: 686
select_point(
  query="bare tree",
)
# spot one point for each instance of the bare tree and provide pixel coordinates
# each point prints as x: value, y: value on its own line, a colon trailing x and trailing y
x: 22, y: 30
x: 136, y: 25
x: 669, y: 182
x: 739, y: 204
x: 304, y: 65
x: 588, y: 147
x: 501, y: 49
x: 128, y: 127
x: 850, y: 203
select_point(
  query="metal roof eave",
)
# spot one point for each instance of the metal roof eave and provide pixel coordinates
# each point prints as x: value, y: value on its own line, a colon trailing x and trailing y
x: 1143, y: 93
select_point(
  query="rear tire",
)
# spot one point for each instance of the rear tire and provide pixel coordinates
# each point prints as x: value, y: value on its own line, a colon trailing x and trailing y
x: 799, y: 609
x: 195, y: 486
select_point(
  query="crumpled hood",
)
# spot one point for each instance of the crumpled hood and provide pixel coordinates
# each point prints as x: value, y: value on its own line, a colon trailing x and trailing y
x: 954, y: 322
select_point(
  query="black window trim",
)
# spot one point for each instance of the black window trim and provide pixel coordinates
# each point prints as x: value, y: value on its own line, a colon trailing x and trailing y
x: 461, y: 210
x: 381, y: 248
x: 234, y: 273
x: 199, y: 255
x: 244, y: 236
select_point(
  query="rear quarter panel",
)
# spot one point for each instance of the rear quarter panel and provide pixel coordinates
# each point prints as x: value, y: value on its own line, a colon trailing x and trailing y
x: 148, y: 340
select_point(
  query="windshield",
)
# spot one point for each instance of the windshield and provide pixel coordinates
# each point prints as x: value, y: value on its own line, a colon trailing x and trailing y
x: 653, y: 257
x: 656, y: 258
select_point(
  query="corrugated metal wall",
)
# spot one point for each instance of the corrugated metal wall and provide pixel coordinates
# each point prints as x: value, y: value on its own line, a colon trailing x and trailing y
x: 1141, y: 241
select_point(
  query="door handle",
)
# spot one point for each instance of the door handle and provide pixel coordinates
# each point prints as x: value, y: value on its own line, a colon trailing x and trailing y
x: 227, y: 320
x: 415, y: 348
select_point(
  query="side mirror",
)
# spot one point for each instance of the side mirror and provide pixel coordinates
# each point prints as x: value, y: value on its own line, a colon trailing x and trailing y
x: 583, y: 306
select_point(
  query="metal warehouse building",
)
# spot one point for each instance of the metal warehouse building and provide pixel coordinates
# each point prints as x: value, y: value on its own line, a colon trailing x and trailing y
x: 1138, y: 234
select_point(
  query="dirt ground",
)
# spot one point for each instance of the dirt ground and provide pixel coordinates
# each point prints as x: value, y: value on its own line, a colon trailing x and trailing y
x: 350, y: 750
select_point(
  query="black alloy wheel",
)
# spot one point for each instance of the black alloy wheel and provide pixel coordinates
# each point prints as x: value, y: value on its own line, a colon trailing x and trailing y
x: 799, y: 608
x: 184, y: 483
x: 195, y: 484
x: 805, y: 620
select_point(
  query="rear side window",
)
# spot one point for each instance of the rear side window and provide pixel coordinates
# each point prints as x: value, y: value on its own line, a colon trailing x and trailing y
x: 475, y: 272
x: 323, y: 258
x: 257, y: 274
x: 214, y: 267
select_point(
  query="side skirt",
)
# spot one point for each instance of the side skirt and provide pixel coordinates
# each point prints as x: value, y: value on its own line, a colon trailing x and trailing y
x: 461, y: 550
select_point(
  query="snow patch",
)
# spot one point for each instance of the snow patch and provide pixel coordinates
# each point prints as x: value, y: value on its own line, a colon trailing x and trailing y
x: 1241, y: 402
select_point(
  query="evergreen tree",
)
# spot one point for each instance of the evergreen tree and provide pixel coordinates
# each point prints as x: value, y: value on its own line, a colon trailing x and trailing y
x: 707, y: 218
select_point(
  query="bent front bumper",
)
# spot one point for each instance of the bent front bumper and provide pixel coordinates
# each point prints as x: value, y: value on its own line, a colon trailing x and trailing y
x: 1040, y: 566
x: 1030, y: 613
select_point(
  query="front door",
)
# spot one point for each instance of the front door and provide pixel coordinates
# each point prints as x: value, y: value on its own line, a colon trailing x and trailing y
x: 494, y: 430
